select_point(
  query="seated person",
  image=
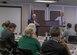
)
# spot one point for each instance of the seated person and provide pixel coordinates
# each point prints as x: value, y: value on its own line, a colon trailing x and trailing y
x: 55, y: 46
x: 2, y: 28
x: 70, y: 31
x: 35, y: 21
x: 76, y: 28
x: 4, y: 25
x: 29, y: 42
x: 7, y: 36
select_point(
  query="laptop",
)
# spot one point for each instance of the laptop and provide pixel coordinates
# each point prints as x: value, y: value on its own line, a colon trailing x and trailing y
x: 72, y: 39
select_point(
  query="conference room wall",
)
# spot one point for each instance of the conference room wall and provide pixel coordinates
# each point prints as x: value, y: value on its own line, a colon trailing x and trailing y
x: 70, y: 12
x: 25, y: 15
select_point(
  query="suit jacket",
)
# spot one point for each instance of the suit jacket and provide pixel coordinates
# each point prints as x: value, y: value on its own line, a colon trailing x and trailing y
x: 8, y: 38
x: 32, y: 21
x: 52, y: 47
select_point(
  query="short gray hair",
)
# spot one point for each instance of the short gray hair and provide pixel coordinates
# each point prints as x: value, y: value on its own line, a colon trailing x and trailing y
x: 54, y: 31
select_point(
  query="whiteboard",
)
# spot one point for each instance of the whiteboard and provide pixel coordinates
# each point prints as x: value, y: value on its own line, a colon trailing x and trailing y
x: 13, y: 14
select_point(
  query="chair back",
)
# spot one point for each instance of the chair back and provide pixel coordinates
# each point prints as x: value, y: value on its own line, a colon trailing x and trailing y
x: 25, y: 51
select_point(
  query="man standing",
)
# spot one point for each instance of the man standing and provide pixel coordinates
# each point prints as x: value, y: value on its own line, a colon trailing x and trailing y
x: 35, y: 21
x: 8, y: 37
x: 61, y: 19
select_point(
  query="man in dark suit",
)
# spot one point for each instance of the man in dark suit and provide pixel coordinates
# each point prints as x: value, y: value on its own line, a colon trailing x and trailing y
x: 8, y: 37
x: 35, y: 21
x: 55, y: 46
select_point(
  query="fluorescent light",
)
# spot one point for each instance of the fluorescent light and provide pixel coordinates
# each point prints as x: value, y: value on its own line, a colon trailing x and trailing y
x: 45, y: 1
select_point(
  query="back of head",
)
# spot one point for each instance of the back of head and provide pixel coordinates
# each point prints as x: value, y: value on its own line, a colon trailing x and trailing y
x: 55, y: 31
x: 7, y: 23
x: 32, y: 26
x: 28, y: 32
x: 4, y: 25
x: 69, y: 25
x: 76, y: 27
x: 12, y: 25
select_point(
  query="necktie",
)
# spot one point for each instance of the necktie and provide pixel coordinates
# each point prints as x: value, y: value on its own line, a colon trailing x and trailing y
x: 61, y: 21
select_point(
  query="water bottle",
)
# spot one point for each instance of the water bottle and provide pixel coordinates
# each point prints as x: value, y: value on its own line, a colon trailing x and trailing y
x: 46, y: 36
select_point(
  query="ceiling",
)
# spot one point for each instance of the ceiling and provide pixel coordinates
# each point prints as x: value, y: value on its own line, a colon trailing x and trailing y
x: 61, y: 2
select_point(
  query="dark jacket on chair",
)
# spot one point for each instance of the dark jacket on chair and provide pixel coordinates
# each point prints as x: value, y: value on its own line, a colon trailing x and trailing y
x: 52, y: 47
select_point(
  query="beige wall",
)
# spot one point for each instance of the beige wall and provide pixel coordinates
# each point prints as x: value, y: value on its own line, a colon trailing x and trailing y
x: 70, y: 12
x: 25, y: 15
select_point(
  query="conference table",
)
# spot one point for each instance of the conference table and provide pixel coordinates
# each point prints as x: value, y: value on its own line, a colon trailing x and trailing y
x: 72, y: 47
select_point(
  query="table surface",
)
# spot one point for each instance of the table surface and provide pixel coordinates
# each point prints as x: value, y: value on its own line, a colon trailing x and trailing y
x: 72, y: 47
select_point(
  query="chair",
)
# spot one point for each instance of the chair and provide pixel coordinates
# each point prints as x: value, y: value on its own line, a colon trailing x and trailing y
x: 25, y: 51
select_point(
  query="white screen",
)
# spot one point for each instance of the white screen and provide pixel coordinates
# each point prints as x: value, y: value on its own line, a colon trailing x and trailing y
x: 13, y: 14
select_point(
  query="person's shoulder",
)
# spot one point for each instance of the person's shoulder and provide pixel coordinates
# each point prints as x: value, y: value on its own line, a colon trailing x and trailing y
x: 5, y: 30
x: 29, y: 19
x: 34, y: 39
x: 1, y: 29
x: 48, y: 42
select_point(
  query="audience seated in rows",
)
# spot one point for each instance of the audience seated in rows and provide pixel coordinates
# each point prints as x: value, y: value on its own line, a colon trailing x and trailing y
x: 7, y: 36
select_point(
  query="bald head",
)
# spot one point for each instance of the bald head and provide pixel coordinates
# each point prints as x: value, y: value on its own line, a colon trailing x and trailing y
x: 33, y: 16
x: 61, y: 13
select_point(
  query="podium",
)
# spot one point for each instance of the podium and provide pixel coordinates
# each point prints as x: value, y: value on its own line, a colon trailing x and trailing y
x: 45, y: 27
